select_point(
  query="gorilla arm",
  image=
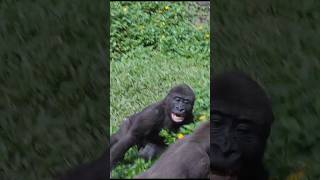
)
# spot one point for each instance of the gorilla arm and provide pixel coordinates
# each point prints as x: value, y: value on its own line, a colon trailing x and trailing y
x: 133, y: 133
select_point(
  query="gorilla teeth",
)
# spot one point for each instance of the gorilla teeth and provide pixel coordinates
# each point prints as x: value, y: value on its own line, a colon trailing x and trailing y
x: 176, y: 118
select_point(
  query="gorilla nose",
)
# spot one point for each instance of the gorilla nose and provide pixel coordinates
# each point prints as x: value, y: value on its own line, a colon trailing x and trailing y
x: 225, y: 148
x: 224, y: 145
x: 180, y: 109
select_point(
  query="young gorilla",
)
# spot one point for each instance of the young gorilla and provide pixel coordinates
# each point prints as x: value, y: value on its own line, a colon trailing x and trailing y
x: 241, y: 118
x: 187, y: 158
x: 143, y: 128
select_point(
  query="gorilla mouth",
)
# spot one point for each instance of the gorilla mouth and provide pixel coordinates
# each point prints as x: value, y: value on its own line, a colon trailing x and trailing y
x: 176, y: 117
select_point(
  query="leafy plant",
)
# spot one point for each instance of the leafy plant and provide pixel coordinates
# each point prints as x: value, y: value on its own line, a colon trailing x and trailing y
x: 163, y: 26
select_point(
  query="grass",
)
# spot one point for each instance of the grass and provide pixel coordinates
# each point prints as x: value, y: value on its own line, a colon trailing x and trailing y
x: 154, y: 47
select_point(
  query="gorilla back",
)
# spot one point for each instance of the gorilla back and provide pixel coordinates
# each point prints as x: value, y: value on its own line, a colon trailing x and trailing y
x: 187, y: 158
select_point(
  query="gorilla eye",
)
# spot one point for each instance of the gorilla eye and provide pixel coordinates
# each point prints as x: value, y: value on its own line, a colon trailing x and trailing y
x: 216, y: 123
x: 177, y: 99
x: 186, y: 101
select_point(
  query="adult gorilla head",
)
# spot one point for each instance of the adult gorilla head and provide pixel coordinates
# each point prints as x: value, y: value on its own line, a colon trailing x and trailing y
x: 241, y: 121
x: 179, y: 104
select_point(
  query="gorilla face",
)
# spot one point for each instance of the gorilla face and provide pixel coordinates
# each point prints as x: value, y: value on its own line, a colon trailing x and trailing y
x: 181, y: 100
x: 236, y: 138
x: 241, y: 120
x: 180, y: 107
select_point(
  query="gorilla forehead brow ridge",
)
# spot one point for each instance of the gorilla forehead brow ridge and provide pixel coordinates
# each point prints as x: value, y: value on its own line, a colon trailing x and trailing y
x: 182, y: 89
x: 236, y: 90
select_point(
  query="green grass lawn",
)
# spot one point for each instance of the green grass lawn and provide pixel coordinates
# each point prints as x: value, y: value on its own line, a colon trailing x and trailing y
x: 155, y: 46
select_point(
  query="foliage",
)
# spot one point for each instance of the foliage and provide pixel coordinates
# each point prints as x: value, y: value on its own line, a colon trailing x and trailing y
x: 186, y: 130
x: 131, y: 165
x: 162, y: 26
